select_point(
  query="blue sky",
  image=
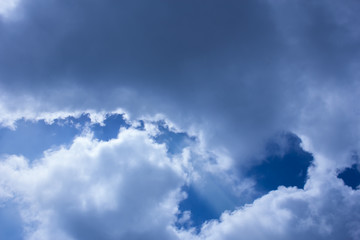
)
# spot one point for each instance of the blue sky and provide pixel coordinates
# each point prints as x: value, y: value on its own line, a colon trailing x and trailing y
x: 183, y: 120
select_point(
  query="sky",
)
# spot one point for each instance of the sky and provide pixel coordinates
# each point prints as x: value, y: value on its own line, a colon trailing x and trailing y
x: 191, y: 120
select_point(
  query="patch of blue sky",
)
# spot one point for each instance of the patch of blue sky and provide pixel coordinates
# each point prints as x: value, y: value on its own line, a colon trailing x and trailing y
x: 141, y: 125
x: 32, y: 138
x: 10, y: 222
x: 175, y: 141
x: 207, y: 200
x: 201, y: 210
x: 285, y: 165
x: 351, y: 176
x: 110, y: 127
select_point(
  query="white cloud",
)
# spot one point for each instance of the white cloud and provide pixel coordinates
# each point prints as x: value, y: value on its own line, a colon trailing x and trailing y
x: 129, y: 188
x: 7, y: 6
x: 122, y: 189
x: 325, y: 209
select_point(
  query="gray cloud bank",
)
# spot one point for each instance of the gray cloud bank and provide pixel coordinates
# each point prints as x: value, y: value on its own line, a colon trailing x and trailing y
x: 242, y: 71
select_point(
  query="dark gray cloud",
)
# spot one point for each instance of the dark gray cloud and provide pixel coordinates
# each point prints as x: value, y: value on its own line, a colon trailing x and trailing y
x: 240, y: 70
x: 122, y: 41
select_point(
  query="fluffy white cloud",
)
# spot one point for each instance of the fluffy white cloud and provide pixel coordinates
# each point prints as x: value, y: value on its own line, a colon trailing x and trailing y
x: 129, y: 188
x: 126, y: 188
x: 325, y: 209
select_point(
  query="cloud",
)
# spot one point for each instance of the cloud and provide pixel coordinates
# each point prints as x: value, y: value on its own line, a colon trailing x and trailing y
x: 125, y: 188
x: 150, y: 61
x: 7, y: 7
x: 131, y: 187
x: 232, y: 74
x: 236, y: 72
x: 327, y: 211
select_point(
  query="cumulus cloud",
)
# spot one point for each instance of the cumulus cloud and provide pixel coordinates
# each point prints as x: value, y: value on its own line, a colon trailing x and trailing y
x: 130, y: 187
x: 125, y: 188
x: 326, y: 209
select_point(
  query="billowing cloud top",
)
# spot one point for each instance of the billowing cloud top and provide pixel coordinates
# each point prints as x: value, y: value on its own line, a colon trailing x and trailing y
x: 236, y: 119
